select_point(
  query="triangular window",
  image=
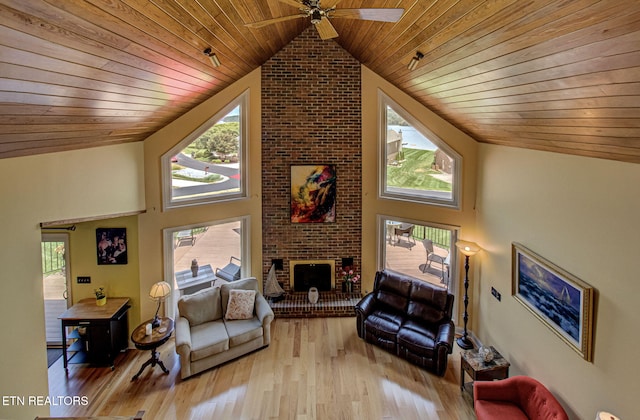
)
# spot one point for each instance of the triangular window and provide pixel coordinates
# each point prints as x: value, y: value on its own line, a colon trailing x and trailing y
x: 210, y: 164
x: 415, y: 164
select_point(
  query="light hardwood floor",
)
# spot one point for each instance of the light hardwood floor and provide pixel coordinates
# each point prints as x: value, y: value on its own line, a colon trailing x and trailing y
x: 315, y: 368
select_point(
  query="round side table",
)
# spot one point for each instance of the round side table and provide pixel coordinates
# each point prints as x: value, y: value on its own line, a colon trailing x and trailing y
x: 158, y: 337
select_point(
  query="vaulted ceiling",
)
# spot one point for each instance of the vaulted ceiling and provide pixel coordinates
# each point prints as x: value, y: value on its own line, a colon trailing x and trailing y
x: 556, y: 75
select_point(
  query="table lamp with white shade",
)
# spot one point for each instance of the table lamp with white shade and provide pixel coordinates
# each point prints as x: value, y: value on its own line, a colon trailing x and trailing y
x: 159, y: 292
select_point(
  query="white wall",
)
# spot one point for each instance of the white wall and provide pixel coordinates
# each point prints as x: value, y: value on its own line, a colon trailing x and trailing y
x: 581, y: 214
x: 43, y: 188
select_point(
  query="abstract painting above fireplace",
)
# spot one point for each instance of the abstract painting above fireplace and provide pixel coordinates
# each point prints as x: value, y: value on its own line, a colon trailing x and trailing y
x: 313, y: 193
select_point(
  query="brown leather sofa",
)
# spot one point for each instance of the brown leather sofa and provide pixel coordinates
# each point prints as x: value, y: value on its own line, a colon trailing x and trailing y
x: 410, y: 318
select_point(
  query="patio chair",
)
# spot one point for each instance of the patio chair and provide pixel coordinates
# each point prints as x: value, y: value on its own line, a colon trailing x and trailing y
x: 185, y: 236
x: 405, y: 231
x: 432, y: 256
x: 231, y: 271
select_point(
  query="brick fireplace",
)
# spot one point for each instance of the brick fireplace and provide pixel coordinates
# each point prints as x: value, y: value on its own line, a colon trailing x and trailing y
x: 311, y: 114
x: 304, y: 274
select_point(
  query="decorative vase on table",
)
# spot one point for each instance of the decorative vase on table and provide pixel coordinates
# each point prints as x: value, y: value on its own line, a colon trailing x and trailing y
x: 102, y: 301
x: 313, y: 295
x: 349, y: 277
x: 486, y: 353
x: 194, y: 267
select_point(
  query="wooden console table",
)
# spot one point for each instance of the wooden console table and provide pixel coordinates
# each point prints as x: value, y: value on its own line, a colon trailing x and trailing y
x: 99, y: 332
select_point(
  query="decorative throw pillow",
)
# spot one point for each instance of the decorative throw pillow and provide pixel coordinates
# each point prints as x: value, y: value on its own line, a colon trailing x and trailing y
x: 240, y: 304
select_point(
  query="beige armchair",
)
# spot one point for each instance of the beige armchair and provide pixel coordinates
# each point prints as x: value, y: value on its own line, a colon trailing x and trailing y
x: 205, y: 334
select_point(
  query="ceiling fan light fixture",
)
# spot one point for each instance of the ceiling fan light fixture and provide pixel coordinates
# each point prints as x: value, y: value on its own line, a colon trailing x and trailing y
x: 316, y: 16
x: 212, y: 57
x: 414, y: 61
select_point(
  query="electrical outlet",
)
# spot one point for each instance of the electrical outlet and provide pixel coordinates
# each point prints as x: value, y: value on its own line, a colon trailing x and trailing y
x: 83, y: 279
x: 496, y: 294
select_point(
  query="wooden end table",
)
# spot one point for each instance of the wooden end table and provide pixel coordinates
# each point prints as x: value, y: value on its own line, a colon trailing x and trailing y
x: 158, y: 337
x: 473, y: 364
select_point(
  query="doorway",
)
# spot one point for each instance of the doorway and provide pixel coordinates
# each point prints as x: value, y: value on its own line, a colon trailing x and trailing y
x: 55, y: 283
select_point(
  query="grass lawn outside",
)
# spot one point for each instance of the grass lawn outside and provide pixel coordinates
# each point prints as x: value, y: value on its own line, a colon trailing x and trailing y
x: 415, y: 172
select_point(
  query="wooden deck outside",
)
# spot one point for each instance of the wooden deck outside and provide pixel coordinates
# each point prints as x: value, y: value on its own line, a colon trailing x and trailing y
x: 211, y: 246
x: 410, y: 258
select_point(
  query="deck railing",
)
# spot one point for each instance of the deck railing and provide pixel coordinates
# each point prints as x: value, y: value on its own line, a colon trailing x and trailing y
x: 52, y: 257
x: 440, y: 237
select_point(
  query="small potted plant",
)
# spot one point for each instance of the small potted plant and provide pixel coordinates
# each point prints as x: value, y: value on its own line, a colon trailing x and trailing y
x: 101, y: 297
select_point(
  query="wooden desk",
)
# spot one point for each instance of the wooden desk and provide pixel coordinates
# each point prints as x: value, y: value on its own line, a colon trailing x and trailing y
x: 472, y: 363
x: 100, y: 332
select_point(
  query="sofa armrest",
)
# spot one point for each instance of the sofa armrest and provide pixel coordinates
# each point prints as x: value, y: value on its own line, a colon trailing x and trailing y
x: 183, y: 336
x: 183, y: 346
x: 363, y: 309
x: 446, y: 333
x: 366, y: 304
x: 265, y: 315
x: 502, y: 390
x: 263, y: 310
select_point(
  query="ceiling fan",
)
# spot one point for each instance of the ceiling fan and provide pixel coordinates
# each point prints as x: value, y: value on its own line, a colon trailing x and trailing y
x: 320, y: 16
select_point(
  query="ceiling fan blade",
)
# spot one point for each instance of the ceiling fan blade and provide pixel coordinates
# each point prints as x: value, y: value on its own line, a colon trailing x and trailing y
x: 325, y: 29
x: 263, y: 23
x: 294, y: 3
x: 381, y: 14
x: 328, y: 4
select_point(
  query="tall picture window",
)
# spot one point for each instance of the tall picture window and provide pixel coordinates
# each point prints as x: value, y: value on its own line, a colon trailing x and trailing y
x: 415, y: 164
x: 418, y: 249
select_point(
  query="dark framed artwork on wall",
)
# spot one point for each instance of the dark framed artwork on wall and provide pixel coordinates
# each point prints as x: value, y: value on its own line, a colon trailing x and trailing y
x: 111, y: 244
x: 564, y: 303
x: 313, y: 193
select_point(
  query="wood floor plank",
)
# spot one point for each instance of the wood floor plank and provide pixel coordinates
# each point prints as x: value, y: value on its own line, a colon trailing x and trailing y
x: 315, y: 368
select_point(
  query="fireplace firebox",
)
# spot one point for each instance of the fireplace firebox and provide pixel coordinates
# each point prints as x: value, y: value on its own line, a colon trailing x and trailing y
x: 312, y: 273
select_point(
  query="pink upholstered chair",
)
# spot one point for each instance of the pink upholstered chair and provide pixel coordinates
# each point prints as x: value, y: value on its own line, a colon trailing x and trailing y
x: 518, y: 397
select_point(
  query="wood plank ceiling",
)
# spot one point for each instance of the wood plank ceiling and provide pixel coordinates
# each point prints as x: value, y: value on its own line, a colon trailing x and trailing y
x: 554, y: 75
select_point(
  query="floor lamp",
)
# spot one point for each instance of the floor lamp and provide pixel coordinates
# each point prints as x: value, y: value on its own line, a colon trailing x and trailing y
x: 468, y: 249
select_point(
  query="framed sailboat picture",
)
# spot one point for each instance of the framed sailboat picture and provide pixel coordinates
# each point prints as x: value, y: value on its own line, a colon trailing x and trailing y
x: 561, y: 301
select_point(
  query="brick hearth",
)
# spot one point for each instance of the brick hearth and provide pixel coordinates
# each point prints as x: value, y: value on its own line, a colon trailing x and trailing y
x: 330, y: 304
